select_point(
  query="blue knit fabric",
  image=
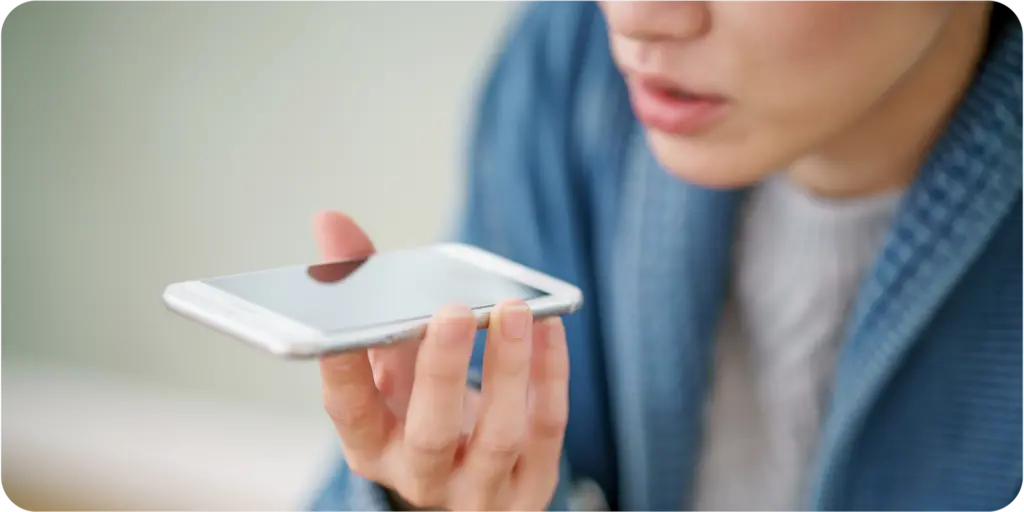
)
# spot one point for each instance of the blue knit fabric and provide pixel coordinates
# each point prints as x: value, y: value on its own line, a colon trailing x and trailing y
x: 926, y: 412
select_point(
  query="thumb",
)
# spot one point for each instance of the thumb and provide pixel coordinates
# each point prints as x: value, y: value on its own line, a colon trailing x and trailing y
x: 340, y: 238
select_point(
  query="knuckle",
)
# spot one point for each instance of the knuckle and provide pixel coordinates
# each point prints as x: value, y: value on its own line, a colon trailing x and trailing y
x: 513, y: 368
x: 422, y: 493
x: 558, y: 373
x: 547, y: 489
x: 350, y: 415
x: 347, y: 415
x: 473, y: 503
x: 550, y: 426
x: 446, y: 376
x: 342, y: 369
x: 539, y: 494
x: 510, y: 357
x: 539, y: 502
x: 430, y: 446
x: 485, y: 485
x: 502, y: 447
x: 361, y: 466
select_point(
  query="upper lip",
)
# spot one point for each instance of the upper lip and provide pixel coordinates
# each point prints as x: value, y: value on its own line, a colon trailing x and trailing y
x: 660, y: 82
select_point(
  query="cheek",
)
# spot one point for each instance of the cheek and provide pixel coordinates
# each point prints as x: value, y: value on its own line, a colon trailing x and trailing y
x: 791, y: 59
x: 825, y: 62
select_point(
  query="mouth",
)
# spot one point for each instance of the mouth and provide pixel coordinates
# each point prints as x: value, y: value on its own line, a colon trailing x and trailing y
x: 669, y: 88
x: 666, y: 106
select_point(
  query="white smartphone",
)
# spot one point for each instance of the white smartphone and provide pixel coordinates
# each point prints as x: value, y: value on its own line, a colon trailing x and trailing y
x: 309, y: 311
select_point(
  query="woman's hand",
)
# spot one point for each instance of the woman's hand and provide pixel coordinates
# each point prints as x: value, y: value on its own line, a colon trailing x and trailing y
x: 407, y: 421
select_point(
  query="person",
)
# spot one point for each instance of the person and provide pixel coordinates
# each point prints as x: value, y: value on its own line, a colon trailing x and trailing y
x: 797, y: 227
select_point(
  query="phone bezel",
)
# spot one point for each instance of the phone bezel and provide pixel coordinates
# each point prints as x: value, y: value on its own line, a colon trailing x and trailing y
x: 285, y: 337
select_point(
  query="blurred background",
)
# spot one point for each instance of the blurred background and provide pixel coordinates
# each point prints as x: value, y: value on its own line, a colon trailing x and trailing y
x: 146, y: 143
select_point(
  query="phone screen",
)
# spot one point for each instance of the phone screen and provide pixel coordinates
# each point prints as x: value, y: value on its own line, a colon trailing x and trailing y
x: 382, y: 289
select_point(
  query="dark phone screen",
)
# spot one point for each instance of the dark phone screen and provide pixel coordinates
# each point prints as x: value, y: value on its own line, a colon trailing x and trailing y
x: 385, y: 288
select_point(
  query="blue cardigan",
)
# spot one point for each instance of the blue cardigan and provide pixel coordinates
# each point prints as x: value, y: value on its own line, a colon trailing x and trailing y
x: 926, y: 412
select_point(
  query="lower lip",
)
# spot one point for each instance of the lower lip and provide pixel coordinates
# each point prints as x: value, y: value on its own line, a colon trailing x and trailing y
x: 661, y: 111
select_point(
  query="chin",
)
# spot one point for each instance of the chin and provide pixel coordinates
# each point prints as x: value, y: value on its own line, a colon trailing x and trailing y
x: 705, y: 165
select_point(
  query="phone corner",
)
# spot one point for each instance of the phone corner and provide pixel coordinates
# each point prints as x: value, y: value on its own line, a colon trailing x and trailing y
x: 576, y: 300
x: 578, y: 305
x: 171, y: 295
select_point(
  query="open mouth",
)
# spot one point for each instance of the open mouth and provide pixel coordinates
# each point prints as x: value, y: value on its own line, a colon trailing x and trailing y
x: 679, y: 94
x: 672, y: 91
x: 665, y: 106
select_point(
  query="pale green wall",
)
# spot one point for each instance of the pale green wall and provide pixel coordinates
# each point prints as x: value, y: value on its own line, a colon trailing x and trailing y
x: 145, y: 143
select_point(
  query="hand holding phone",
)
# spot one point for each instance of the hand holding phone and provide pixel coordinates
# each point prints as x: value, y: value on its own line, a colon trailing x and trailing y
x: 407, y: 421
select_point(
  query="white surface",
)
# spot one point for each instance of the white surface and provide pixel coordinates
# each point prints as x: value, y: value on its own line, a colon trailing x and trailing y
x: 100, y: 437
x: 562, y: 293
x: 233, y: 315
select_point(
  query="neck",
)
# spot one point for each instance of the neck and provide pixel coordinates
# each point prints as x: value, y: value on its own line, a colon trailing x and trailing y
x: 886, y: 148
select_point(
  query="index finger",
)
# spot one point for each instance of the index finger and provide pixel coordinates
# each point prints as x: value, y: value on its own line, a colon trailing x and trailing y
x: 340, y: 238
x: 364, y: 423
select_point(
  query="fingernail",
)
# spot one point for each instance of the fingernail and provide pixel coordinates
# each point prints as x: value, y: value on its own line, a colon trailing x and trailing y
x: 452, y: 323
x: 553, y: 328
x: 515, y: 321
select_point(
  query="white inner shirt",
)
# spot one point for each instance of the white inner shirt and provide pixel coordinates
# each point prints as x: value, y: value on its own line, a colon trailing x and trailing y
x: 798, y: 263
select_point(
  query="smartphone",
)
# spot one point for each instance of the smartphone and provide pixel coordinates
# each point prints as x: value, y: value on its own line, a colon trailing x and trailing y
x: 309, y: 311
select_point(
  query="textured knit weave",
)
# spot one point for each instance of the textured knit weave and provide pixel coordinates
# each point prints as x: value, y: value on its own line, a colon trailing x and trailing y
x: 898, y: 434
x: 798, y: 264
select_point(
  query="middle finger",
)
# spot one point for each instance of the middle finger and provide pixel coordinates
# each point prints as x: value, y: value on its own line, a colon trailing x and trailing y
x: 434, y: 421
x: 500, y: 432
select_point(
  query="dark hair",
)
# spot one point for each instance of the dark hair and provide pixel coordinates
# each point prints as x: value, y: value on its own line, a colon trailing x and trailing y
x: 1006, y: 15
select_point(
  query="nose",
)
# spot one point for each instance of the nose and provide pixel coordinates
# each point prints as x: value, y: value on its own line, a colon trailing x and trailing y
x: 656, y: 21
